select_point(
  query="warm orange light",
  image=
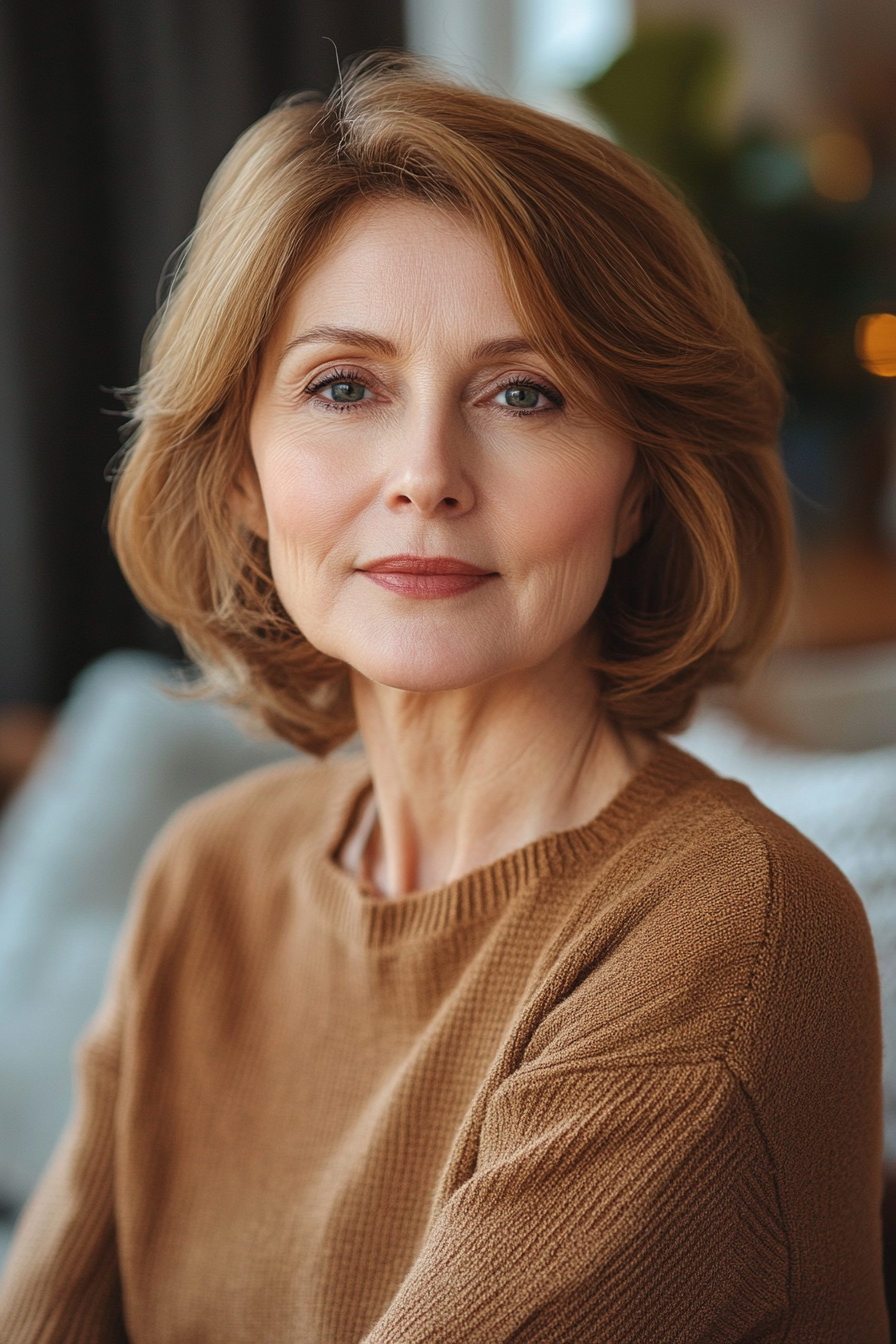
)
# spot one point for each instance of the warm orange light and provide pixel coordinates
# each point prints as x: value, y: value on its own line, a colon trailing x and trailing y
x: 876, y: 344
x: 839, y: 166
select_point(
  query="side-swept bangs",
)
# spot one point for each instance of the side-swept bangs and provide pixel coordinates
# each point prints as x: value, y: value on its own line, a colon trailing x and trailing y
x: 610, y: 277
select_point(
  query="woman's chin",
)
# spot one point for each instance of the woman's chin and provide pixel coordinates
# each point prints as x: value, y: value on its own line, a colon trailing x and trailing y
x: 426, y: 671
x: 421, y: 679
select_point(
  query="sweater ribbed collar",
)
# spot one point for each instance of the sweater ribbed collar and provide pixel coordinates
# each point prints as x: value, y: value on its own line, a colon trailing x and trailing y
x: 375, y: 921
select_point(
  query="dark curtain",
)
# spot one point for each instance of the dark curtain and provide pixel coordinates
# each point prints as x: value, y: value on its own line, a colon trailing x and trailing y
x: 113, y: 115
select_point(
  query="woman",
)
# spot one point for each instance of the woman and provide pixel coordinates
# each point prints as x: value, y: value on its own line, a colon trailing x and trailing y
x: 522, y: 1025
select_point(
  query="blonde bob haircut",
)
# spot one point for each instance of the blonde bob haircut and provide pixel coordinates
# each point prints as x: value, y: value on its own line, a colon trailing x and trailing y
x: 611, y: 279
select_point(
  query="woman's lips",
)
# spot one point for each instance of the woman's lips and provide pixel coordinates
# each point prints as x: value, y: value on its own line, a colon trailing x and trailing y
x: 426, y: 575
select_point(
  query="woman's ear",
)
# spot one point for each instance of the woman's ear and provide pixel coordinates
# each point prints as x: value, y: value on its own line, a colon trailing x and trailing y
x: 630, y: 517
x: 246, y: 502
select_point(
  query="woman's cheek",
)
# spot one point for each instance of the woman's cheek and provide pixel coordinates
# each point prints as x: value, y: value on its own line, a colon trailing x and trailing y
x: 311, y: 496
x: 559, y: 523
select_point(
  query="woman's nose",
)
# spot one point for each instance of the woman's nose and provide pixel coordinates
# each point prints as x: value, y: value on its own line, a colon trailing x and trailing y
x: 428, y: 474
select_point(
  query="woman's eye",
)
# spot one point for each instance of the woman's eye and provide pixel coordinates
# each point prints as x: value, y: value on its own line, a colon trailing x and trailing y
x: 344, y: 392
x: 523, y: 397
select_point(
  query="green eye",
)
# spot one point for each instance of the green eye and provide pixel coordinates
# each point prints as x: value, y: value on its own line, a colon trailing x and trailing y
x: 521, y: 398
x: 347, y: 391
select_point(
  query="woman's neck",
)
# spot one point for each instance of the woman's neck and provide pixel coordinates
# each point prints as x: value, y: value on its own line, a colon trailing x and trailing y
x: 462, y: 777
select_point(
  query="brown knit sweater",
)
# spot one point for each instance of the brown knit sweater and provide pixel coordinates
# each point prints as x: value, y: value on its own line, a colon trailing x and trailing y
x: 622, y: 1085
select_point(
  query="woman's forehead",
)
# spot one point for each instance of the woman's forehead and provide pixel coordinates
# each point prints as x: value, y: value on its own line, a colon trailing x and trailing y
x: 402, y: 266
x: 401, y: 234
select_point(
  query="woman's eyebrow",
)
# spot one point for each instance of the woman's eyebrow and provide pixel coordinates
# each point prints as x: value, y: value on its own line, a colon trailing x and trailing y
x: 368, y: 340
x: 326, y: 335
x: 507, y: 345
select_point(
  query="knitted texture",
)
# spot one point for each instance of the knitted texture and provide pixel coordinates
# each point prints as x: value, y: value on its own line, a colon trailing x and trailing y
x: 621, y: 1085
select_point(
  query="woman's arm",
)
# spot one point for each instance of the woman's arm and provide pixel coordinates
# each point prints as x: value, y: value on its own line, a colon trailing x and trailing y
x: 62, y: 1283
x: 606, y: 1206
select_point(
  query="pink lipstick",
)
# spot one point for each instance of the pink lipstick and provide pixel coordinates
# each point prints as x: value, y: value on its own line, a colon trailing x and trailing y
x: 426, y: 575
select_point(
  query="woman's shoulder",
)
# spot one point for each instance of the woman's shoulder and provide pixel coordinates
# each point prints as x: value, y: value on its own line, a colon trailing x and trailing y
x: 304, y: 790
x: 756, y: 921
x: 740, y: 861
x: 705, y: 814
x: 756, y: 848
x: 249, y: 829
x: 717, y: 936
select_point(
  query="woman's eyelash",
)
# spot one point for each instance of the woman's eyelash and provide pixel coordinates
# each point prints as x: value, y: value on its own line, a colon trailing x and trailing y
x: 555, y: 397
x: 336, y: 376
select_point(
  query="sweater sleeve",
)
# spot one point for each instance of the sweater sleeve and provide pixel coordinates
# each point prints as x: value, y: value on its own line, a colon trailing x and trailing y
x: 605, y: 1206
x: 62, y: 1284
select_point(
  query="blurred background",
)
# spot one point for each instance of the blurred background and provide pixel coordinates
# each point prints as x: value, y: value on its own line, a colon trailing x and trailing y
x: 777, y: 121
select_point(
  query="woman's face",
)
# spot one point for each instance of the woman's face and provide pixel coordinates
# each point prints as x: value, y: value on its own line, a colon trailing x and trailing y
x: 439, y: 507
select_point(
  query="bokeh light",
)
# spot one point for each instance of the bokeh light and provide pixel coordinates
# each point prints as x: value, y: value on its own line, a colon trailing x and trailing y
x: 839, y: 166
x: 876, y: 343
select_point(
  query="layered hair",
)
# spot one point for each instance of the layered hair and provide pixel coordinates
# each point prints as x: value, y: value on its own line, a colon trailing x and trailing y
x: 611, y: 279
